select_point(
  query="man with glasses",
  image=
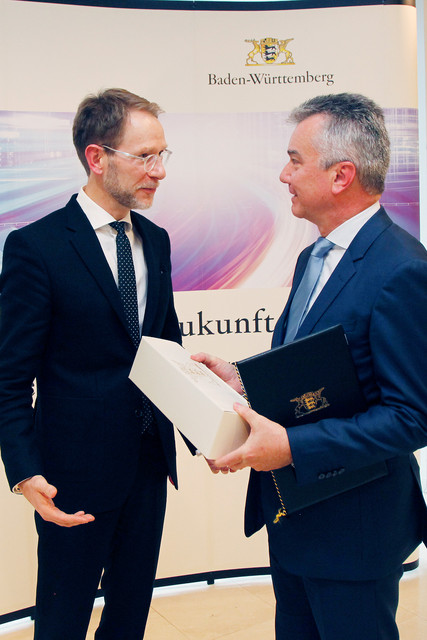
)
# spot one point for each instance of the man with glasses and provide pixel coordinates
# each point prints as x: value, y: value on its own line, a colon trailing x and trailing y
x: 78, y: 289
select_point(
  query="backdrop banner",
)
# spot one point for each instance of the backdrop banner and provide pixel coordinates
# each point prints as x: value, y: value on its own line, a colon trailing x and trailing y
x: 227, y: 81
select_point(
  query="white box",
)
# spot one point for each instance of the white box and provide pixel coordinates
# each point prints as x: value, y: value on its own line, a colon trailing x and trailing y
x: 198, y: 402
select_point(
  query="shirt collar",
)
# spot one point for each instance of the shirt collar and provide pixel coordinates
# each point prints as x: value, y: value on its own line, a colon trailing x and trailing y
x: 97, y: 216
x: 343, y: 235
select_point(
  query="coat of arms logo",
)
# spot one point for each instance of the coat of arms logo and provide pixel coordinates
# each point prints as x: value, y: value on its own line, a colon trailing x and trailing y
x: 269, y: 51
x: 310, y: 402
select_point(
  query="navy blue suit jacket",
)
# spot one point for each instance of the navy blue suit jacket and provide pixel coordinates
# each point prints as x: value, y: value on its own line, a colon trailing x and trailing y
x: 62, y: 322
x: 378, y: 294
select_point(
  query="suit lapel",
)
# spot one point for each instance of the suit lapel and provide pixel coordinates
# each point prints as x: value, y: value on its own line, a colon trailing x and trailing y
x: 153, y: 271
x: 344, y: 272
x: 83, y: 239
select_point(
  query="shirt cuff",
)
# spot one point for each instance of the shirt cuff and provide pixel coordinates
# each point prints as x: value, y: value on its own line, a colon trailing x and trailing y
x: 17, y: 489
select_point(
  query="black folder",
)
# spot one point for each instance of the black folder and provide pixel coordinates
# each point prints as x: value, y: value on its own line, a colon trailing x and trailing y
x: 300, y: 383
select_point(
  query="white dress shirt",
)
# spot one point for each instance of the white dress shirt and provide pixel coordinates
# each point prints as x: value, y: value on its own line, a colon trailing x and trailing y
x: 100, y: 221
x: 342, y: 237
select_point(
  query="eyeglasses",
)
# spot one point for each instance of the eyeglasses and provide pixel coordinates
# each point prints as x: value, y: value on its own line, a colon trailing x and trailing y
x: 149, y: 162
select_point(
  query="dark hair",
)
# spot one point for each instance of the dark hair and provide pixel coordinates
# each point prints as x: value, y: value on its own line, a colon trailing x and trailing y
x: 100, y: 119
x: 354, y: 130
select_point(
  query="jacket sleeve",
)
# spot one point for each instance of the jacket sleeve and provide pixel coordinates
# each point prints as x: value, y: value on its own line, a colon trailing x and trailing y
x: 24, y: 323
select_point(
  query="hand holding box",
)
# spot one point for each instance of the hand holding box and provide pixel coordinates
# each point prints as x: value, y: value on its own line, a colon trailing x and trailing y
x: 198, y: 402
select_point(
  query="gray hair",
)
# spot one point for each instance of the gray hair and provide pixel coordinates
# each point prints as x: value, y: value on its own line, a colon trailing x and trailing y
x: 354, y: 131
x: 101, y: 119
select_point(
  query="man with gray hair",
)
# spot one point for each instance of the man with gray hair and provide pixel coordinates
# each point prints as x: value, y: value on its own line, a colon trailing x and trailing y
x: 336, y: 565
x: 78, y: 288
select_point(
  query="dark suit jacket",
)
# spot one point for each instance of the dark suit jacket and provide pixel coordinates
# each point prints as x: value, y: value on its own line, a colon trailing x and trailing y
x: 378, y: 293
x: 62, y: 322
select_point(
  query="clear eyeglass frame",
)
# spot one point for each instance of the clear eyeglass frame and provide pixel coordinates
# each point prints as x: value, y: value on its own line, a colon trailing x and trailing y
x: 149, y: 161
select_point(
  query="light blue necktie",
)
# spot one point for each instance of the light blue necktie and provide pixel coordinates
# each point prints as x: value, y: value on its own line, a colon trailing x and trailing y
x: 300, y: 303
x: 128, y: 294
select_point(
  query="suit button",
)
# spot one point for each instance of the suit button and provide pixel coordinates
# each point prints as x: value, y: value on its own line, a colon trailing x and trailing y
x: 321, y: 476
x: 139, y: 413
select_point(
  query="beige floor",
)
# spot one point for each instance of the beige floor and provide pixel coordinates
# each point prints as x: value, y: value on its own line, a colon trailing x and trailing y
x: 241, y: 609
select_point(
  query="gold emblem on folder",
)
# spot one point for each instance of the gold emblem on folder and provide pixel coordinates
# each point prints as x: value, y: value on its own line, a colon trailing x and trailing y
x: 270, y: 51
x: 309, y: 403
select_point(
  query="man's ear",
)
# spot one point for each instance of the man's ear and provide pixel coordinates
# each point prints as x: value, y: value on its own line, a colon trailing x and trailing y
x: 95, y: 157
x: 344, y: 176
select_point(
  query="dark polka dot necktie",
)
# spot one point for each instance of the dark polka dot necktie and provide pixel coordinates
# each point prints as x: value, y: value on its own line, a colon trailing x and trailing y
x: 127, y: 282
x: 128, y: 294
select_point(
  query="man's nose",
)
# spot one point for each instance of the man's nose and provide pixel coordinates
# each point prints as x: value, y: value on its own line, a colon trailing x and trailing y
x: 285, y: 174
x: 158, y: 171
